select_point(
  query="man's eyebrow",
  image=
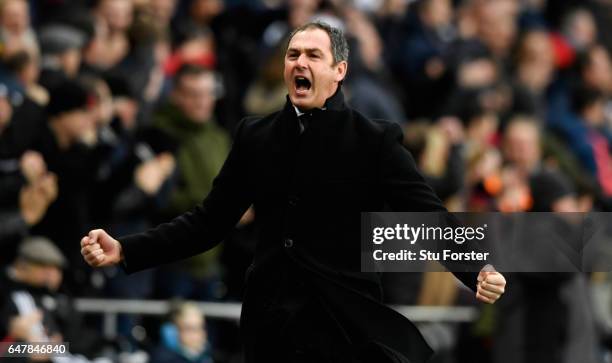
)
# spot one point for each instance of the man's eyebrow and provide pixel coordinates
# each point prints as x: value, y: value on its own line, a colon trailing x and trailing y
x: 307, y: 50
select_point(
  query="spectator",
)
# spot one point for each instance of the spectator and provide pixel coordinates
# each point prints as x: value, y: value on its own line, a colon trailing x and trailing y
x: 588, y: 137
x: 162, y: 11
x: 31, y: 306
x: 184, y: 338
x: 267, y: 92
x: 539, y: 320
x: 579, y: 29
x: 27, y: 97
x: 596, y: 69
x: 438, y: 151
x: 26, y: 187
x: 533, y: 74
x: 114, y: 18
x: 189, y: 118
x: 26, y: 195
x: 70, y: 120
x: 422, y: 55
x: 25, y: 67
x: 6, y: 116
x: 132, y: 185
x: 203, y: 12
x: 496, y: 24
x: 61, y: 47
x: 196, y: 46
x: 202, y: 148
x: 369, y: 84
x: 15, y: 30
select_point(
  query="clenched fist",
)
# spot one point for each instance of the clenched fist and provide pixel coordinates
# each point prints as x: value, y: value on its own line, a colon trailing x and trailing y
x: 491, y: 285
x: 99, y: 249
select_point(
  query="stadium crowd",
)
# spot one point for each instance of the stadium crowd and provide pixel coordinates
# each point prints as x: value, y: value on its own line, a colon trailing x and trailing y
x: 118, y: 114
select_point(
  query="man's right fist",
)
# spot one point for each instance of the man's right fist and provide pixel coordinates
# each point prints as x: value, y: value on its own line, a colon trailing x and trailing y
x: 100, y: 249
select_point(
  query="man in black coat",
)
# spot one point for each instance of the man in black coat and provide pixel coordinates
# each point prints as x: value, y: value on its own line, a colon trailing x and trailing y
x: 309, y: 170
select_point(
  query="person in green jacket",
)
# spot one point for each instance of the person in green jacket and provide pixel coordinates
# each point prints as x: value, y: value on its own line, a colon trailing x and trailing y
x: 202, y: 148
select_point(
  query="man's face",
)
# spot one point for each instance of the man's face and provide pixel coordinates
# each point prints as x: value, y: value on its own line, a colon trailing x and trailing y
x: 599, y: 72
x: 311, y: 76
x: 522, y: 146
x: 15, y: 16
x: 195, y: 96
x: 76, y: 124
x: 38, y: 275
x: 192, y: 334
x: 163, y: 9
x: 117, y: 13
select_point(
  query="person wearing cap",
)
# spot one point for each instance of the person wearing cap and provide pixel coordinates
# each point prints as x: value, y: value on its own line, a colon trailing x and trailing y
x: 33, y: 307
x: 61, y: 47
x: 35, y: 275
x: 309, y: 170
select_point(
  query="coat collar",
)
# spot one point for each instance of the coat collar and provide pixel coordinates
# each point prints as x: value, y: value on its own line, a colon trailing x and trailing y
x: 334, y: 103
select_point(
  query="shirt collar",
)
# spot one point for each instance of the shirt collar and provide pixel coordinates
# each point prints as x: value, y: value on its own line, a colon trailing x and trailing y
x: 334, y: 103
x: 300, y: 113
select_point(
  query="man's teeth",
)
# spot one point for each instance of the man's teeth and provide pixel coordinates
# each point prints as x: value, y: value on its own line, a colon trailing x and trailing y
x: 302, y: 83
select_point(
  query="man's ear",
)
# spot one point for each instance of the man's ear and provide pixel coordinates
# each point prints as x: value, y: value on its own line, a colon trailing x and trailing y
x: 341, y: 69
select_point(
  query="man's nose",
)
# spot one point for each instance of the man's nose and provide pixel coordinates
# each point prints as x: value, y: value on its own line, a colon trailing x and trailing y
x: 301, y: 61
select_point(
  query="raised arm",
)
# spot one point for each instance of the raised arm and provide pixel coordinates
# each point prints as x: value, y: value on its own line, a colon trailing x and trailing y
x: 191, y: 233
x: 405, y: 189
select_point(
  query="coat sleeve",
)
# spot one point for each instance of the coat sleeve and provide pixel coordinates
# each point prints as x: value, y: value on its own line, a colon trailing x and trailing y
x: 200, y: 229
x: 405, y: 190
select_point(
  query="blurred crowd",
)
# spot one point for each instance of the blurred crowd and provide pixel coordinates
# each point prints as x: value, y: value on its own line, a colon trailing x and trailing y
x: 117, y: 114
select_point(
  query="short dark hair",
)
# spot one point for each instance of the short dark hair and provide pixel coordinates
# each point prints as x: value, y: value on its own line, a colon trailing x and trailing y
x: 339, y: 44
x: 67, y: 96
x: 584, y: 97
x: 188, y: 70
x: 18, y: 61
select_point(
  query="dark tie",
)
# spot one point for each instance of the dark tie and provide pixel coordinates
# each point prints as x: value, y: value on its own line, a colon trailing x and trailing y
x: 304, y: 119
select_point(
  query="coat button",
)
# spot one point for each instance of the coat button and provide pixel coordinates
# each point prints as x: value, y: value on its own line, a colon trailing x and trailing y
x: 288, y: 243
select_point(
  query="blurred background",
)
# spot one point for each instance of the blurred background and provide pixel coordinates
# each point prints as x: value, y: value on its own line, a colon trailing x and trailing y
x: 117, y: 114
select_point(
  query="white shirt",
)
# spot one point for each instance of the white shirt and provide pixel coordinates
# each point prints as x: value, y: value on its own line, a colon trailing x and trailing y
x: 300, y: 113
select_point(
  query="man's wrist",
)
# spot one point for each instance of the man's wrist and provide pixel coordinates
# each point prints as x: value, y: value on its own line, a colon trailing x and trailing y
x: 121, y: 255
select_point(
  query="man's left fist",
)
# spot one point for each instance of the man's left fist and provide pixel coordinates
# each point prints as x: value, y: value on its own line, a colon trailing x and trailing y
x: 491, y: 285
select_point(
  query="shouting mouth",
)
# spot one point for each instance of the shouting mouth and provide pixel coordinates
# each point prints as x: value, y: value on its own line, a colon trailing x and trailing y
x: 302, y: 85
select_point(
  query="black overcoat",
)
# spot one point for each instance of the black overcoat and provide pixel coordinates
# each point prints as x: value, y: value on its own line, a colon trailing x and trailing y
x: 308, y: 190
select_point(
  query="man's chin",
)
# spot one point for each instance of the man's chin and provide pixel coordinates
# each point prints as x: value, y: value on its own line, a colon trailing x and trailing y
x: 303, y: 103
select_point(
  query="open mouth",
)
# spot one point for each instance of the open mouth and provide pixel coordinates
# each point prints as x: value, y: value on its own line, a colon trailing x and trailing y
x: 302, y: 84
